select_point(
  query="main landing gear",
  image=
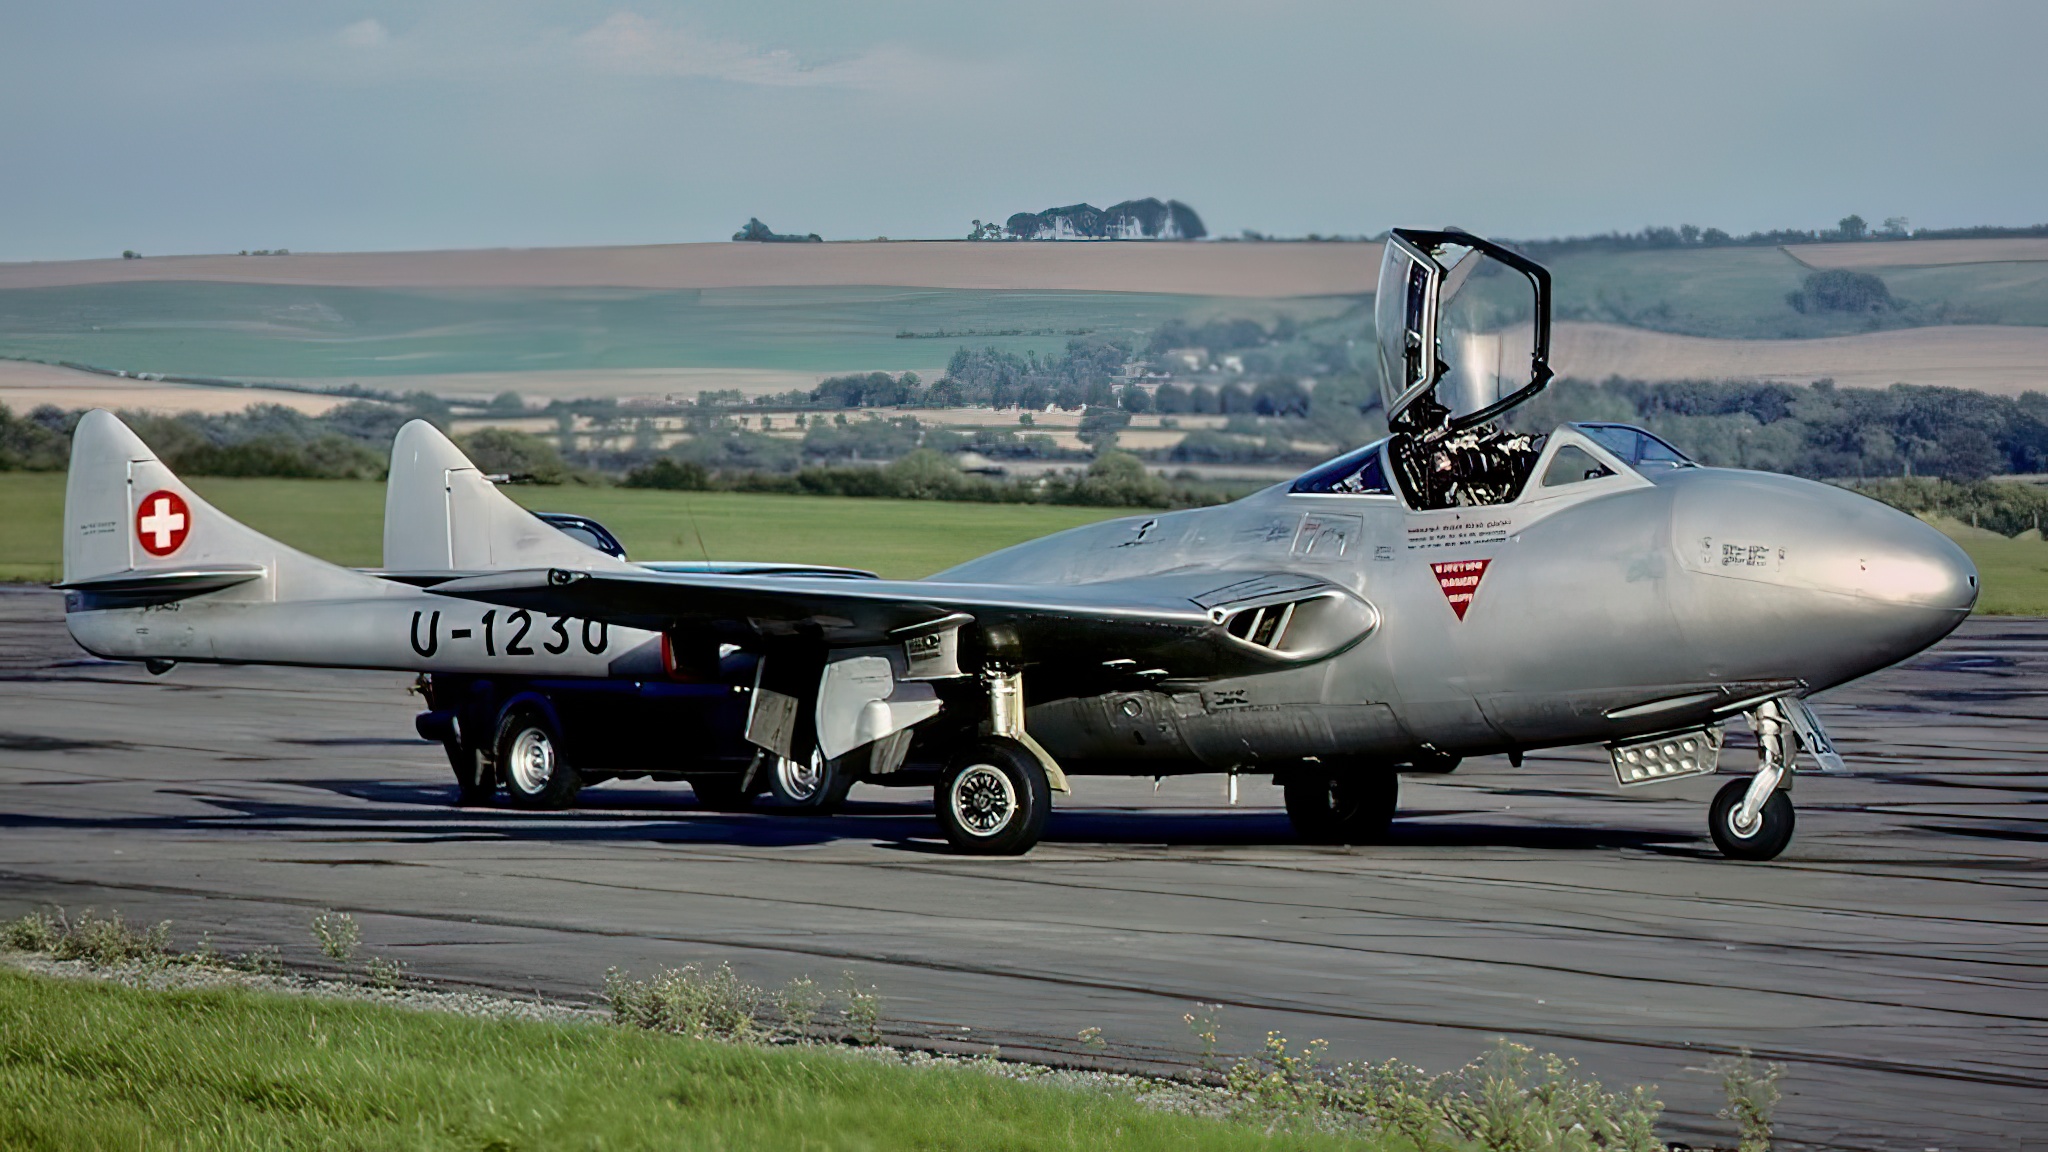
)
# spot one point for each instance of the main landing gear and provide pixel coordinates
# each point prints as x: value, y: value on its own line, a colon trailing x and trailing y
x: 994, y: 798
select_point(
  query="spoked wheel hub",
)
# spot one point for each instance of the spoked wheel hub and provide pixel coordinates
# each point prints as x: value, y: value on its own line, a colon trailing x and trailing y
x: 994, y: 800
x: 984, y: 801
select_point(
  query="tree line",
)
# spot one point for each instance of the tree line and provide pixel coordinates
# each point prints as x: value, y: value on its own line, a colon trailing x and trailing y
x: 1818, y: 430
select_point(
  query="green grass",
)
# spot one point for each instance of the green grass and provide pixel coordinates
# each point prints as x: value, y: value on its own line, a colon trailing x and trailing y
x: 343, y: 521
x: 1740, y: 293
x: 90, y: 1066
x: 267, y: 331
x: 283, y: 331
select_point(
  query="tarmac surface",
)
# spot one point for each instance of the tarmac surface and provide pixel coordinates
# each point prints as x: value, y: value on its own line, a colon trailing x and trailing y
x: 1895, y: 958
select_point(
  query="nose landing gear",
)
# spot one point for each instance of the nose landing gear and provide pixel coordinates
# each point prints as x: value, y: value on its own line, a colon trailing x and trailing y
x: 1753, y: 819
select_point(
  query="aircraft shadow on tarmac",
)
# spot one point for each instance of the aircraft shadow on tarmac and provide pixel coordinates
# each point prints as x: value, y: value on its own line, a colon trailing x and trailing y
x: 424, y: 813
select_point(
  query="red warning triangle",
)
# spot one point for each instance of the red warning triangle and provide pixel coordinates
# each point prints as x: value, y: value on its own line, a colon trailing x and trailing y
x: 1460, y: 580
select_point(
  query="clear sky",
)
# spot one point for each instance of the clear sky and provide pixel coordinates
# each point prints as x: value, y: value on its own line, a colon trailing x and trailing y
x: 218, y: 125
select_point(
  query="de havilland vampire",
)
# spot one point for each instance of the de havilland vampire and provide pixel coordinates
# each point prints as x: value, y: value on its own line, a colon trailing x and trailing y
x: 1455, y: 590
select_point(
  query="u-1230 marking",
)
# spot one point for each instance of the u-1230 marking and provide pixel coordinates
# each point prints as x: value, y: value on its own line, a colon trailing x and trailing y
x: 515, y: 629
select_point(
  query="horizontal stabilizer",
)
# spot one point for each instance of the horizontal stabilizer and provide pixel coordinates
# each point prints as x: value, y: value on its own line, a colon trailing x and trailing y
x: 136, y: 587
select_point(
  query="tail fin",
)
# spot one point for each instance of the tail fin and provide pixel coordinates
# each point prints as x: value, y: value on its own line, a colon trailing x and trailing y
x: 134, y: 533
x: 441, y: 514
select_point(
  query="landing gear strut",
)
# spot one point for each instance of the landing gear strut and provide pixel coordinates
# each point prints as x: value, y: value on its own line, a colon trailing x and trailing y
x: 1753, y: 819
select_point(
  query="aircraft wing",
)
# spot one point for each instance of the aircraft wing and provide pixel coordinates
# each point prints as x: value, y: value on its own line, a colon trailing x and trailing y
x: 1180, y: 624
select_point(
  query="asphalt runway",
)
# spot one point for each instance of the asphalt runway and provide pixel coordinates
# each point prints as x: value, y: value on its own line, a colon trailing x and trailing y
x: 1894, y: 958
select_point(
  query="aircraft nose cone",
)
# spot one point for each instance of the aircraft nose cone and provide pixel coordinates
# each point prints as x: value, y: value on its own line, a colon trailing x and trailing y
x: 1921, y: 567
x: 1865, y: 550
x: 1824, y: 584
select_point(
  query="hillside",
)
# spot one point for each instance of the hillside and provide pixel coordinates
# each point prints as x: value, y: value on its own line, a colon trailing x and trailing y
x: 671, y: 320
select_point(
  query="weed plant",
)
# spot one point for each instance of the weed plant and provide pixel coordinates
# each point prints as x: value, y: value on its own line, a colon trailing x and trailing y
x: 338, y: 935
x: 97, y: 940
x: 799, y: 1003
x: 1752, y: 1092
x: 34, y: 932
x: 388, y: 974
x: 862, y: 1012
x: 688, y: 1001
x: 1510, y: 1099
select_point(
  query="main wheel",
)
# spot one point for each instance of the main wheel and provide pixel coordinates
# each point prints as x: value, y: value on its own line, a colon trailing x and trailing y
x: 530, y: 755
x: 1763, y: 840
x: 473, y: 782
x: 1350, y: 809
x: 994, y: 801
x: 815, y: 784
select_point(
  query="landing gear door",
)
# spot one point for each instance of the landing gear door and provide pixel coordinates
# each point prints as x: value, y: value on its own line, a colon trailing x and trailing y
x: 1464, y: 330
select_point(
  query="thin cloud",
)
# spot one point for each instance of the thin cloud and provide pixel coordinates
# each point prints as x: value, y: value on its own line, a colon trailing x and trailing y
x: 628, y: 43
x: 364, y: 34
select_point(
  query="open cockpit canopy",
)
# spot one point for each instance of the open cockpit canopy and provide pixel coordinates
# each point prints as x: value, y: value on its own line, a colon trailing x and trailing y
x: 1464, y: 329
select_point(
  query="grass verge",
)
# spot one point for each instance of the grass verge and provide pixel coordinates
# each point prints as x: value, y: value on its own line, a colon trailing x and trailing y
x: 157, y: 1033
x: 91, y: 1065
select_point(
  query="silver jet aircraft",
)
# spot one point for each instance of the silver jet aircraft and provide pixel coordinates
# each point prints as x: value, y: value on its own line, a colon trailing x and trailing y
x: 1455, y: 590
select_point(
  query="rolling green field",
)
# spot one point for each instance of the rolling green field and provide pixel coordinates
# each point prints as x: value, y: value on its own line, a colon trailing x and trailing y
x: 258, y: 331
x: 92, y: 1066
x: 343, y: 521
x: 262, y: 331
x: 1740, y: 293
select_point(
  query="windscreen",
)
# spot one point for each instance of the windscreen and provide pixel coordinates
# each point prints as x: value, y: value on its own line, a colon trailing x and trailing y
x: 1486, y: 332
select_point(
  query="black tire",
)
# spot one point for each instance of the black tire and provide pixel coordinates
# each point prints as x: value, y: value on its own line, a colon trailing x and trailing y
x: 722, y: 793
x: 474, y: 782
x: 994, y: 801
x: 815, y: 785
x: 1355, y: 808
x: 1772, y: 833
x: 536, y: 772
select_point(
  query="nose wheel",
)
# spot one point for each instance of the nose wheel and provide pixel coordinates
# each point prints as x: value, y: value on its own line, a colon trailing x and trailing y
x: 1760, y: 836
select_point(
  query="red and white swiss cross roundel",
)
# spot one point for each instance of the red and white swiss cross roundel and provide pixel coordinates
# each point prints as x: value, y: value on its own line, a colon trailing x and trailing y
x: 162, y: 522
